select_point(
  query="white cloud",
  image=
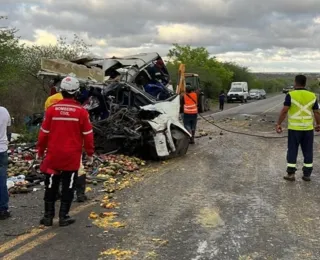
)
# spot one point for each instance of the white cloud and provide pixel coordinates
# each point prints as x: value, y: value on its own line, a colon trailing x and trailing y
x: 42, y: 37
x: 273, y: 35
x: 182, y: 34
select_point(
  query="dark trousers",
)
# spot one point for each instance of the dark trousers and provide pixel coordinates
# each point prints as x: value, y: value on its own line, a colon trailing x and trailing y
x: 221, y: 105
x: 190, y: 122
x: 295, y: 139
x: 4, y: 196
x: 52, y: 183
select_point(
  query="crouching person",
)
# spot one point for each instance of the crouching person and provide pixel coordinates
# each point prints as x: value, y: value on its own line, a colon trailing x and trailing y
x: 64, y: 131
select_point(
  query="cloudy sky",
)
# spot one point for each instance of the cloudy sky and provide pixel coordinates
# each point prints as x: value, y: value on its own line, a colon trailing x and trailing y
x: 273, y: 35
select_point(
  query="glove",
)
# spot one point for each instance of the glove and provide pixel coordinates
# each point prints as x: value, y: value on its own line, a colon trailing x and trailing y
x: 317, y: 128
x: 89, y: 160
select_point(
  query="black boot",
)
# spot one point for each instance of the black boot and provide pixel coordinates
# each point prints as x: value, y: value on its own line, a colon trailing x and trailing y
x: 290, y: 177
x: 49, y: 212
x: 64, y: 218
x: 81, y: 188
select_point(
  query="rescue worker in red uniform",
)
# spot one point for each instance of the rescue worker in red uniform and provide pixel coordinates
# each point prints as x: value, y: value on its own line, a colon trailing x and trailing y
x: 81, y: 182
x: 65, y: 130
x: 190, y: 111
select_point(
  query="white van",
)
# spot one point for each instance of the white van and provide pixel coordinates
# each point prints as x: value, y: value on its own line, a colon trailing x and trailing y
x: 238, y: 92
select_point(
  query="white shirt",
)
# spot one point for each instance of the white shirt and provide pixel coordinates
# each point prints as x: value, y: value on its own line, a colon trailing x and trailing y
x: 5, y: 121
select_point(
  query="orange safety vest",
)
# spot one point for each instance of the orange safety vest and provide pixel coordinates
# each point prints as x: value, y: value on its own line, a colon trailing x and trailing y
x: 190, y: 103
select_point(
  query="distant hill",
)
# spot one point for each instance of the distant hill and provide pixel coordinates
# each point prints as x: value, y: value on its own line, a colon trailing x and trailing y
x: 281, y: 75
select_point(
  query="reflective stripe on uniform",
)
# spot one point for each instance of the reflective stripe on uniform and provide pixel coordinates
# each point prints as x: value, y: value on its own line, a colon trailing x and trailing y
x: 291, y: 165
x: 308, y: 165
x: 302, y: 124
x: 191, y: 109
x: 45, y: 131
x: 65, y: 119
x: 301, y: 117
x: 66, y: 105
x: 71, y: 180
x: 88, y: 132
x: 50, y: 181
x: 302, y: 108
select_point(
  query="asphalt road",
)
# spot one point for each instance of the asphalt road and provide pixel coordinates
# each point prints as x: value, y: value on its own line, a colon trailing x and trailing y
x: 266, y: 106
x: 224, y: 200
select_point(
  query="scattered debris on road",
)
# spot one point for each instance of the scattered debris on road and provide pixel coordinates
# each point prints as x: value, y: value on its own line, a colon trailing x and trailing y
x: 105, y: 219
x: 24, y: 173
x: 159, y: 241
x: 118, y: 254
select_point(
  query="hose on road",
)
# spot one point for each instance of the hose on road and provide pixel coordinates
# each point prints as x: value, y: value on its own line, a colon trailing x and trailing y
x: 241, y: 133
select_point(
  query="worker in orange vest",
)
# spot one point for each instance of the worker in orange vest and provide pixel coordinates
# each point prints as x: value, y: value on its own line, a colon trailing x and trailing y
x: 190, y: 111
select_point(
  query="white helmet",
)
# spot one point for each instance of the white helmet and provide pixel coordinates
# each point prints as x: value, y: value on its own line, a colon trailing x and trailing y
x: 70, y: 84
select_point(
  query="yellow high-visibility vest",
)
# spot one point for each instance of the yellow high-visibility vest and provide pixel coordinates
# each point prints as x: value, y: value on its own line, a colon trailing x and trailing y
x: 300, y: 116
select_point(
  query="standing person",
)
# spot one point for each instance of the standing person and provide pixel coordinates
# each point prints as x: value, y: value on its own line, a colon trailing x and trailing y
x: 190, y: 111
x: 5, y: 122
x: 64, y: 131
x: 299, y: 105
x: 221, y: 100
x: 81, y: 182
x: 51, y: 100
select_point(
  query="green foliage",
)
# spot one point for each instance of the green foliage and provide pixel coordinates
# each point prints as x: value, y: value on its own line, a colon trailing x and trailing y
x: 10, y: 53
x: 26, y: 136
x: 19, y: 65
x: 62, y: 50
x: 188, y: 55
x: 240, y: 73
x: 314, y: 86
x: 214, y: 76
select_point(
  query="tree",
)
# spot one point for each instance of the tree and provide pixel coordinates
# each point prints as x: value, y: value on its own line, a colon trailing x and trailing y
x: 240, y: 74
x: 10, y: 53
x: 19, y: 65
x: 214, y: 76
x: 188, y: 55
x: 62, y: 50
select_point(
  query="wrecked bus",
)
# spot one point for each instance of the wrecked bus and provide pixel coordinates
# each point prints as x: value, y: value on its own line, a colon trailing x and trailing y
x: 126, y: 117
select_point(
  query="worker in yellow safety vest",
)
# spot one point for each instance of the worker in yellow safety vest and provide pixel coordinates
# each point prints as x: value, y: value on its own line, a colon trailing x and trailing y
x: 81, y: 181
x: 189, y: 103
x: 299, y: 105
x: 52, y: 100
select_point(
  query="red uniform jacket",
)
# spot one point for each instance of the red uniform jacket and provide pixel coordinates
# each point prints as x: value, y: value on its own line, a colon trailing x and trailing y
x: 65, y: 130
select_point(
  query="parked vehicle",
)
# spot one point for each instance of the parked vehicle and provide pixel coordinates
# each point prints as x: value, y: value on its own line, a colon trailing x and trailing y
x: 287, y: 89
x: 263, y: 93
x: 254, y: 94
x: 238, y: 92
